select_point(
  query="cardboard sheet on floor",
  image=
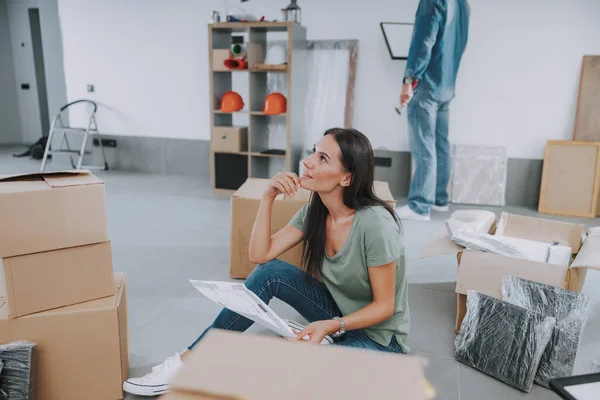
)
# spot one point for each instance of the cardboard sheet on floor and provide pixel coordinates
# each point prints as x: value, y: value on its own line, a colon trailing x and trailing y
x: 570, y: 179
x: 234, y: 365
x: 42, y: 281
x: 478, y: 175
x: 587, y: 119
x: 50, y: 211
x: 82, y: 351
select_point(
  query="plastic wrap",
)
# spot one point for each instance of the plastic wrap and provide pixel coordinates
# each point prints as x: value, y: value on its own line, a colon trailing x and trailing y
x: 478, y: 175
x: 16, y: 379
x: 503, y: 340
x: 468, y: 238
x: 570, y: 310
x: 478, y: 220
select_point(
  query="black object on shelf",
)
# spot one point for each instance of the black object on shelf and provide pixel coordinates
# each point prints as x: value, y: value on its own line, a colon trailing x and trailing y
x: 278, y: 152
x: 231, y: 170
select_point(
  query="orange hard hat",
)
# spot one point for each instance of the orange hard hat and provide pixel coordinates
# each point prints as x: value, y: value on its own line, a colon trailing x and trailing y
x: 275, y: 103
x: 231, y: 101
x: 236, y: 63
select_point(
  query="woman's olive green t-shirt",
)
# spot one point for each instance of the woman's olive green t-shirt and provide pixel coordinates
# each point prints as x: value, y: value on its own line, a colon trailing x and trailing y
x: 375, y: 239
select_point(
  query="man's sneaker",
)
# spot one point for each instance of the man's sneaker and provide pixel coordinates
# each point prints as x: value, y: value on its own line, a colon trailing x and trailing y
x: 406, y: 213
x: 445, y: 208
x: 156, y: 382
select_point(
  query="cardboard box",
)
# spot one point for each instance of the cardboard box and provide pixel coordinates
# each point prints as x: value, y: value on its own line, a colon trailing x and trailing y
x: 229, y: 139
x: 218, y: 59
x: 244, y: 207
x: 50, y: 211
x: 234, y: 365
x: 82, y: 350
x: 42, y: 281
x: 484, y: 272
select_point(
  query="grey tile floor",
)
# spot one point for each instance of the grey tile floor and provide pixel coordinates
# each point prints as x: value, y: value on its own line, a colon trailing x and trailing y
x: 167, y: 229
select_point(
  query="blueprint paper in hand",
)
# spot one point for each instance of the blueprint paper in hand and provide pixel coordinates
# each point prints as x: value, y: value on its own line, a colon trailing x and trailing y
x: 237, y: 298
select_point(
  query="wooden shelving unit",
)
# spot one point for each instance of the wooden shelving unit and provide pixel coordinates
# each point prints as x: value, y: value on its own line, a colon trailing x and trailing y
x: 230, y: 170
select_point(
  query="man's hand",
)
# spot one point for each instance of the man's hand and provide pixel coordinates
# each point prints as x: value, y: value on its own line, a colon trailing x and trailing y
x: 407, y: 94
x: 316, y: 331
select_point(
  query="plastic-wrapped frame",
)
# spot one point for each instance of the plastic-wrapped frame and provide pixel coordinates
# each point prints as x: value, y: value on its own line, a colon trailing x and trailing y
x: 503, y: 340
x: 478, y: 175
x: 570, y: 310
x: 16, y: 380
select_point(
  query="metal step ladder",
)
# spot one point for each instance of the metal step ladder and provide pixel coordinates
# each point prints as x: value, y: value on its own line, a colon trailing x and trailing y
x: 59, y: 127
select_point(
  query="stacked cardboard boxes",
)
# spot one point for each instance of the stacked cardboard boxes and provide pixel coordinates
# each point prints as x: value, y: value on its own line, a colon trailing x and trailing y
x: 57, y: 286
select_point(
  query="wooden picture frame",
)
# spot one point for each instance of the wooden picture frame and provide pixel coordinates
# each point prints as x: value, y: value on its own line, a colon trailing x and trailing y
x: 587, y: 117
x: 570, y: 179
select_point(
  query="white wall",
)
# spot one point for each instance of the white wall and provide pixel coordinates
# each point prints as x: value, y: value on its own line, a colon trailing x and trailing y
x: 10, y: 123
x: 24, y: 63
x: 517, y: 87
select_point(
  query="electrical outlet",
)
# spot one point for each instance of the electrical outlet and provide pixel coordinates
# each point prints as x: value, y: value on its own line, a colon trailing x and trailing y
x: 90, y: 88
x: 383, y: 162
x: 105, y: 143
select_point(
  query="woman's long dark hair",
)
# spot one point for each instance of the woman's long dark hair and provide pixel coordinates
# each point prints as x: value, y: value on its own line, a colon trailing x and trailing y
x: 359, y: 160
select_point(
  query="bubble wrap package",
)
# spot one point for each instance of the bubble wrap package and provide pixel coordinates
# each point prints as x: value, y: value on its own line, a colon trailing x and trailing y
x: 570, y: 310
x: 16, y: 378
x: 478, y: 175
x: 461, y: 234
x: 503, y: 340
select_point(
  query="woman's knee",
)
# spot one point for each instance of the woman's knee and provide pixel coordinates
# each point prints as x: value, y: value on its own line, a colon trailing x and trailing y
x: 271, y: 269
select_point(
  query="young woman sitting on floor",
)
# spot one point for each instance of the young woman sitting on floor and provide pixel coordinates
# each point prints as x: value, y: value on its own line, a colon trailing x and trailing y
x: 353, y: 284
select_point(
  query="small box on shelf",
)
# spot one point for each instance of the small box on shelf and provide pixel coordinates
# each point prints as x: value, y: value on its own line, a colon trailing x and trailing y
x: 218, y: 59
x: 229, y: 139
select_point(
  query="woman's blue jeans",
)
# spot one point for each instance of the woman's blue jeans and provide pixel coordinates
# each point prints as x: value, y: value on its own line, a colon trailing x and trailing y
x: 309, y: 297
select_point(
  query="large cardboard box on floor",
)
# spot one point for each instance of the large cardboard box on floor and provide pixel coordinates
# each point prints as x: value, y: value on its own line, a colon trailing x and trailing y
x: 49, y: 211
x: 37, y: 282
x: 231, y: 365
x: 82, y: 351
x: 244, y: 207
x: 484, y: 272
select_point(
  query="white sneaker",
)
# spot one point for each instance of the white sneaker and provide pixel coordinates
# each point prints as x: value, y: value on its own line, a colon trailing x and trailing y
x: 406, y: 213
x: 445, y: 208
x: 156, y: 382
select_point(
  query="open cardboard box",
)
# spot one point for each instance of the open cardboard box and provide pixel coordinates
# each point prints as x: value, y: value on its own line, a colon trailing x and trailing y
x: 232, y: 365
x: 244, y: 207
x: 484, y: 272
x: 50, y: 211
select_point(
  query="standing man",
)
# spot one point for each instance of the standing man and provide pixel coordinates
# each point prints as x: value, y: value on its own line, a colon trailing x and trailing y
x: 439, y: 39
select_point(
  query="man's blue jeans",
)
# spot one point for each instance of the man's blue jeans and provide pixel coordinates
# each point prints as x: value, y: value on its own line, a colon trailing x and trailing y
x: 430, y: 149
x: 309, y: 297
